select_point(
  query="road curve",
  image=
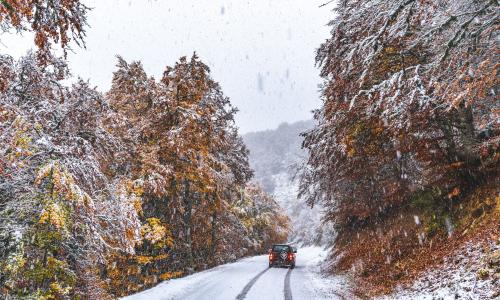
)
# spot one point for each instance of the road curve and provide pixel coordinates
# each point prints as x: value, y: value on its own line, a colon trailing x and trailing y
x: 251, y: 279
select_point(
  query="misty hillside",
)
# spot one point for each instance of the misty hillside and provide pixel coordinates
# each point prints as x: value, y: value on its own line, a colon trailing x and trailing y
x: 275, y: 156
x: 275, y: 151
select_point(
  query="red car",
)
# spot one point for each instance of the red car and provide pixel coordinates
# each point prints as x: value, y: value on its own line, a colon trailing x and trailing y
x: 282, y: 256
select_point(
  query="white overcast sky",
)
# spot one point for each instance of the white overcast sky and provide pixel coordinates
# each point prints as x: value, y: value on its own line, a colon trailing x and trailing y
x: 261, y: 51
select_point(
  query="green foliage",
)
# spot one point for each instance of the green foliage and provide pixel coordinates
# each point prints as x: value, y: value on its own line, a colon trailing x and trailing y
x: 39, y: 269
x: 435, y: 224
x: 7, y: 5
x: 427, y: 200
x: 434, y: 210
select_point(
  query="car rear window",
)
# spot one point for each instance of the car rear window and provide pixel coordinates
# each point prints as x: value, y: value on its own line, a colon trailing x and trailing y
x: 279, y: 248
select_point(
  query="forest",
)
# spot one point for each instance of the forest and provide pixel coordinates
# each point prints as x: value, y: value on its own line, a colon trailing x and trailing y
x: 106, y: 194
x: 405, y: 154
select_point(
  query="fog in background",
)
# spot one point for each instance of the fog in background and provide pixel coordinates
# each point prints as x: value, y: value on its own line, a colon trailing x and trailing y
x: 262, y: 51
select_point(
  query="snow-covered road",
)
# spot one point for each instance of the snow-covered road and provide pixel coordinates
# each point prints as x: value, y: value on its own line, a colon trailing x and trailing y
x: 250, y: 278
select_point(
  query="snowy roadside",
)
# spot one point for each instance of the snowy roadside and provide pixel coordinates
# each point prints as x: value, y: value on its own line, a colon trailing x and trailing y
x: 473, y: 273
x: 313, y: 283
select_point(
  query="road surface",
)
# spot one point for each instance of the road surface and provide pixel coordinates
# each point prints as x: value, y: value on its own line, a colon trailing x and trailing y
x: 251, y: 279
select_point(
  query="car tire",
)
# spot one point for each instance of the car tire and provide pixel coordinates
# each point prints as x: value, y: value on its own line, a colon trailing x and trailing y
x: 292, y: 266
x: 270, y: 265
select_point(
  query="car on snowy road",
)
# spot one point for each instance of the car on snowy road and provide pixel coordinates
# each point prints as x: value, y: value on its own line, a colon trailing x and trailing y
x: 282, y: 256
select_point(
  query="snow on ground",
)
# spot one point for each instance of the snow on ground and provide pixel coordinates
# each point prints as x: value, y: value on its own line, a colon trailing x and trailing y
x: 228, y: 281
x: 307, y: 226
x: 473, y: 273
x: 309, y: 282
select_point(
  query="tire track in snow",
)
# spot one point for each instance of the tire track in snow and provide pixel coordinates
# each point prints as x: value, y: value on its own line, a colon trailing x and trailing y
x: 287, y: 290
x: 249, y: 285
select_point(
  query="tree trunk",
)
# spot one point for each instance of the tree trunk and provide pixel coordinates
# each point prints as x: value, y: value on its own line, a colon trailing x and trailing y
x: 459, y: 134
x: 213, y: 245
x: 188, y: 209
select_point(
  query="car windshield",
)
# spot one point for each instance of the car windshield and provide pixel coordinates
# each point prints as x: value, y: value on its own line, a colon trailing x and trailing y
x: 279, y: 248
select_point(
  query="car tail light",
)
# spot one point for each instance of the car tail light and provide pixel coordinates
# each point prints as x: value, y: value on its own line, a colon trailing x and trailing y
x: 290, y: 256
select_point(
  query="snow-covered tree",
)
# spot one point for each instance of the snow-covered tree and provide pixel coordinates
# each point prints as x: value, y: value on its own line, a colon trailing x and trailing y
x: 60, y: 212
x: 409, y: 103
x: 184, y: 147
x: 50, y: 21
x: 409, y: 119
